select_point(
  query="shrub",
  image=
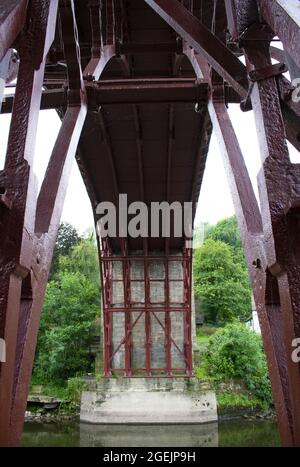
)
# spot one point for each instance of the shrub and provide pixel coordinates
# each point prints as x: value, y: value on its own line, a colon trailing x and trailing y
x: 235, y: 352
x: 235, y: 400
x: 75, y: 386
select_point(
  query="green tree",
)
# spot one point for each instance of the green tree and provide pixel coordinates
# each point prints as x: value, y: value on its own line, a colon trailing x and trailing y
x: 221, y: 284
x: 67, y: 327
x: 83, y: 257
x: 226, y: 231
x: 67, y: 238
x: 71, y: 307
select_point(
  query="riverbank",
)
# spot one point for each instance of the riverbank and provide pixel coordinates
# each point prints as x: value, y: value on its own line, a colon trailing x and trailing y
x: 57, y: 404
x: 47, y: 417
x: 46, y: 409
x: 229, y: 414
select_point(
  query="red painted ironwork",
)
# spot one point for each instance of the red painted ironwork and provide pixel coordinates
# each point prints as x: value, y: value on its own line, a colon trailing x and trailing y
x: 203, y: 41
x: 131, y: 91
x: 27, y: 252
x: 284, y: 21
x: 12, y: 17
x: 251, y: 227
x: 279, y: 219
x: 102, y: 73
x: 19, y: 296
x: 149, y: 310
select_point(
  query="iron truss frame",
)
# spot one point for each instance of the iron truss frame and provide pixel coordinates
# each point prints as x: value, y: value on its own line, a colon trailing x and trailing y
x: 29, y: 220
x: 147, y: 309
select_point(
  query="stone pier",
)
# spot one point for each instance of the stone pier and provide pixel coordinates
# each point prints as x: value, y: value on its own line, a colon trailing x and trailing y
x: 149, y: 401
x: 149, y: 332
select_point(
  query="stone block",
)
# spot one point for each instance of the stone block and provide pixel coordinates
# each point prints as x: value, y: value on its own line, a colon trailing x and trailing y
x: 148, y: 401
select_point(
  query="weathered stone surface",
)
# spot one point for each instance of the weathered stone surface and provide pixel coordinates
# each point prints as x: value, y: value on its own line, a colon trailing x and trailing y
x: 148, y: 400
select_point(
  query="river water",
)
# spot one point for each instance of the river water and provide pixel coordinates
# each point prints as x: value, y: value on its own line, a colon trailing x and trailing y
x: 237, y: 433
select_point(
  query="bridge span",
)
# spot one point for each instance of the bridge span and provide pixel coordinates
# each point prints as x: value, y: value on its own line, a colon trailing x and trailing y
x: 139, y: 86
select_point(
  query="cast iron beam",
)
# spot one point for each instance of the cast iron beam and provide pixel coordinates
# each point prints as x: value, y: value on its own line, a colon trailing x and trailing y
x: 51, y: 99
x: 290, y: 111
x: 241, y: 17
x: 280, y: 195
x: 17, y: 230
x: 152, y: 90
x: 203, y: 41
x: 12, y: 18
x: 140, y: 48
x: 60, y: 164
x: 128, y: 92
x: 125, y: 48
x: 252, y: 232
x: 284, y: 19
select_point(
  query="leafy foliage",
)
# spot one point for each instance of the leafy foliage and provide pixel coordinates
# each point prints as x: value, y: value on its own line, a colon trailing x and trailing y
x: 226, y: 231
x: 235, y: 352
x: 221, y: 284
x: 83, y: 257
x: 238, y: 400
x: 67, y: 238
x: 73, y: 391
x: 71, y: 306
x: 67, y: 327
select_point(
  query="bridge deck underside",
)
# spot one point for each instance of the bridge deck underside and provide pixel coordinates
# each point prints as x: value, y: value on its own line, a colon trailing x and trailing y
x: 138, y: 88
x: 154, y: 151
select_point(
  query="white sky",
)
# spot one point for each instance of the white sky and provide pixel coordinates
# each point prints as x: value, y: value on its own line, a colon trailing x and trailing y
x: 215, y: 199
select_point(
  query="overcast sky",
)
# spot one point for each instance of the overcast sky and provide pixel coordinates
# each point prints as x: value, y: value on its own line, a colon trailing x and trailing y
x: 215, y: 199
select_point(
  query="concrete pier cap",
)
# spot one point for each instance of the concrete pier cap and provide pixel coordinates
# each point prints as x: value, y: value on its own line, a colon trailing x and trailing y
x: 149, y: 401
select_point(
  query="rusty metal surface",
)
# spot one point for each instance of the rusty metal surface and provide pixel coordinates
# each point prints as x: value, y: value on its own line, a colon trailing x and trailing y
x: 284, y: 24
x: 279, y: 226
x: 126, y: 78
x: 275, y: 284
x: 250, y: 223
x: 17, y: 231
x: 130, y: 91
x: 12, y: 17
x: 203, y: 41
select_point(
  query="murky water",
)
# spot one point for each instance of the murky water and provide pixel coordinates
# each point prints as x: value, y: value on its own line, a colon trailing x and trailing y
x: 233, y: 433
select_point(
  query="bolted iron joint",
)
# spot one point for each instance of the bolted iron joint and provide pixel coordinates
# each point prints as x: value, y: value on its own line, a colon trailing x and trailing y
x: 266, y: 72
